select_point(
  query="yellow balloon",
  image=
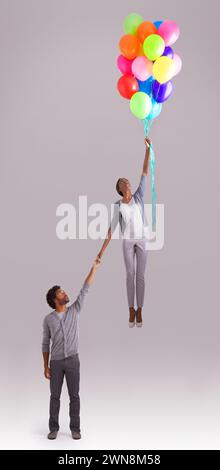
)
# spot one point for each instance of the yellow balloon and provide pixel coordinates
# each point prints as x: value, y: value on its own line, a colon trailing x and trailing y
x: 163, y: 69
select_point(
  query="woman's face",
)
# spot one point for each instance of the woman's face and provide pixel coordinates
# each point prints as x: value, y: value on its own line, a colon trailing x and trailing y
x: 124, y: 185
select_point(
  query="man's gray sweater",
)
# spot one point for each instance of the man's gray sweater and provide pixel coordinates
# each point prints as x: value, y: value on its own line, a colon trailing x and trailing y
x: 64, y: 333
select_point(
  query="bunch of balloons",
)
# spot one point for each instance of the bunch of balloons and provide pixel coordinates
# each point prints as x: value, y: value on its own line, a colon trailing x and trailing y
x: 147, y: 63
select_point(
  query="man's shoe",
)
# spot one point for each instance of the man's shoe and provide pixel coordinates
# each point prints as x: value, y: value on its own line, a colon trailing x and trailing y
x: 139, y: 321
x: 52, y: 435
x: 76, y: 434
x: 132, y: 317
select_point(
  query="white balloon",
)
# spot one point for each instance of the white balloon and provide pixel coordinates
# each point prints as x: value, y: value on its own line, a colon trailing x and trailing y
x: 177, y: 63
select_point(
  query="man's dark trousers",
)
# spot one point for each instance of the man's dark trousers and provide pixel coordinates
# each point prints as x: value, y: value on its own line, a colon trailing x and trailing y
x: 70, y: 368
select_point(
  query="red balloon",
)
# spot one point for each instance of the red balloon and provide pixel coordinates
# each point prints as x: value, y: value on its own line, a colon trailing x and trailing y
x: 127, y: 86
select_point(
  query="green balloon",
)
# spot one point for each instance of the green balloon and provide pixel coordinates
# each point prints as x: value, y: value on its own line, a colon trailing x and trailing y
x: 153, y: 46
x: 132, y: 22
x: 140, y: 104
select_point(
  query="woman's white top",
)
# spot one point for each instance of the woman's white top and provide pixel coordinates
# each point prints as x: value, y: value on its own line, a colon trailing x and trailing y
x: 134, y: 228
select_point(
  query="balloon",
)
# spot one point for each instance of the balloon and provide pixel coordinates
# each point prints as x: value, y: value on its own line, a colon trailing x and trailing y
x: 168, y: 52
x: 129, y: 46
x: 153, y: 46
x: 177, y: 64
x: 145, y: 29
x: 127, y: 86
x: 156, y: 110
x: 162, y: 92
x: 124, y: 65
x: 146, y: 86
x: 132, y: 22
x: 158, y: 23
x: 163, y: 69
x: 140, y: 105
x: 169, y: 31
x: 142, y: 68
x: 140, y: 52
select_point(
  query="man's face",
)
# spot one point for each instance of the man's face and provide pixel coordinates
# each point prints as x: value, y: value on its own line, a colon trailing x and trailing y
x: 61, y: 297
x: 124, y: 185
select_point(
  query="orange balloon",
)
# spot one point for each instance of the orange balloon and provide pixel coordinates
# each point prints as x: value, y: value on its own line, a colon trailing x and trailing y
x: 140, y: 52
x: 129, y: 46
x: 145, y: 29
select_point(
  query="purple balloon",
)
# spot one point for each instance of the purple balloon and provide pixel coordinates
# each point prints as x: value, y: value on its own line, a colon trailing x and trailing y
x: 168, y: 51
x: 161, y: 91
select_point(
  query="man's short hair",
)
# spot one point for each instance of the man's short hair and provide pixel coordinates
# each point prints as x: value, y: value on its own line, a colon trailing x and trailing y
x: 51, y: 294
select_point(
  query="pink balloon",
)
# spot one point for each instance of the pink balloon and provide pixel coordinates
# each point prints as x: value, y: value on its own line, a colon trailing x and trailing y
x: 169, y: 31
x: 142, y: 68
x: 177, y: 63
x: 124, y: 65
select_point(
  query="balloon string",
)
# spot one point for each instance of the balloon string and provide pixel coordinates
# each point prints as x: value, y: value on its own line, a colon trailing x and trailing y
x: 152, y: 163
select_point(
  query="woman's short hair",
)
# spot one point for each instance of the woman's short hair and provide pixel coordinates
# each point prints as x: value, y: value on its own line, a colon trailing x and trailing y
x: 117, y: 187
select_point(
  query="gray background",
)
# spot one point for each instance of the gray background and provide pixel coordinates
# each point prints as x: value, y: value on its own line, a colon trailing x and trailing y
x: 66, y: 132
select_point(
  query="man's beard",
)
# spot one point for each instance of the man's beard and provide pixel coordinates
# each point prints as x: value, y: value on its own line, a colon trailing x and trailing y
x: 64, y: 301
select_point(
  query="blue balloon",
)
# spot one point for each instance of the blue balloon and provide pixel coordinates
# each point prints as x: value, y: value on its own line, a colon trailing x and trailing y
x: 146, y: 86
x: 161, y: 92
x: 158, y: 23
x: 156, y: 110
x: 168, y: 52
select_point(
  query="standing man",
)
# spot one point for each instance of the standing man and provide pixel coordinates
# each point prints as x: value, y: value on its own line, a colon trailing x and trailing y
x: 61, y: 327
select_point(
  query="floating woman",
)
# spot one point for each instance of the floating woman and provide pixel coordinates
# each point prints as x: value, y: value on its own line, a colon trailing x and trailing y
x: 129, y: 211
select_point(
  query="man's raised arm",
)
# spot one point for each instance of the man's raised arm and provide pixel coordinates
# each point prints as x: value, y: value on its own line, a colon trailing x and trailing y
x: 89, y: 279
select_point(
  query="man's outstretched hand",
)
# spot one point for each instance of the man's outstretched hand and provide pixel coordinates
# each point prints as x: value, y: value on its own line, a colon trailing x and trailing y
x: 92, y: 271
